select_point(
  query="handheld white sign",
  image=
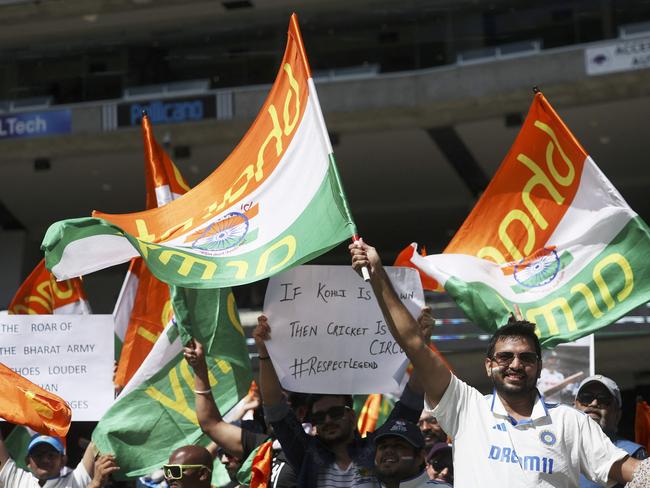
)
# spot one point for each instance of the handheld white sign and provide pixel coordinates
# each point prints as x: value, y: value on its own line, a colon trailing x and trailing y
x: 69, y: 355
x: 328, y: 334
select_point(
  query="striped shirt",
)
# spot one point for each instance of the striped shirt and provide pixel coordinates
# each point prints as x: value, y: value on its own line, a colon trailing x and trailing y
x: 332, y: 476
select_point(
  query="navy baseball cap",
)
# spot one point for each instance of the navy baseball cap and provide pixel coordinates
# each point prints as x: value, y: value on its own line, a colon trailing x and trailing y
x: 45, y: 439
x: 401, y: 428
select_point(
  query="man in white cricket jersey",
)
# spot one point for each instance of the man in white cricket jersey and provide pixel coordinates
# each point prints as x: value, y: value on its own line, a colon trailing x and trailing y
x: 513, y: 437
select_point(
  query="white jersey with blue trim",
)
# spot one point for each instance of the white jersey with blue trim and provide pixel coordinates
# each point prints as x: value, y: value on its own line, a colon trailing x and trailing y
x: 11, y: 476
x: 550, y: 449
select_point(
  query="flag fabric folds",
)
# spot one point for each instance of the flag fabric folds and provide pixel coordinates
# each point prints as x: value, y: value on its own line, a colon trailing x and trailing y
x: 372, y: 411
x: 41, y: 294
x: 255, y: 471
x: 404, y: 259
x: 369, y: 414
x: 143, y: 307
x: 551, y: 235
x: 16, y: 443
x: 275, y: 202
x: 154, y: 413
x: 24, y: 403
x: 642, y: 424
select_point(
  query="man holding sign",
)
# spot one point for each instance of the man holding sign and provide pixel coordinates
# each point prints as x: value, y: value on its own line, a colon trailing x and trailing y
x: 337, y: 454
x: 511, y: 438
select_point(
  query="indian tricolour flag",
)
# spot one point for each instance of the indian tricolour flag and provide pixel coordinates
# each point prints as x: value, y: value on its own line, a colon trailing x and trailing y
x: 551, y: 235
x: 275, y: 202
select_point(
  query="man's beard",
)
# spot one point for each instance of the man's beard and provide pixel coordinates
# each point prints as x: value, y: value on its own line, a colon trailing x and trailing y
x: 499, y: 375
x: 407, y: 468
x: 342, y: 434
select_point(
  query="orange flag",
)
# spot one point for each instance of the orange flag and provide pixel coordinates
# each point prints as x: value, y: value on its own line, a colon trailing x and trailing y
x: 24, y: 403
x: 369, y: 414
x: 41, y: 294
x: 261, y: 467
x: 642, y: 424
x: 143, y: 308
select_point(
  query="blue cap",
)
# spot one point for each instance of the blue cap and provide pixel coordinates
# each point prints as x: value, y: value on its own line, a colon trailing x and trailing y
x: 45, y: 439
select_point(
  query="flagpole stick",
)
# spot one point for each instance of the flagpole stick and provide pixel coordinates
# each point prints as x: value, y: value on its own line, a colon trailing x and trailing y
x: 364, y: 271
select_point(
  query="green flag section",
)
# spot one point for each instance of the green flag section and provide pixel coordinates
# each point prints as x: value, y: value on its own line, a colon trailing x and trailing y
x: 550, y: 235
x: 155, y: 414
x: 275, y: 202
x: 16, y: 444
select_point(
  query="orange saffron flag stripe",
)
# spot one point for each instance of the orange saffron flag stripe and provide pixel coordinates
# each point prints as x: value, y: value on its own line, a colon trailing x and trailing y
x: 519, y: 186
x: 41, y: 294
x: 24, y: 403
x: 261, y: 467
x: 158, y: 167
x: 642, y: 424
x: 369, y: 414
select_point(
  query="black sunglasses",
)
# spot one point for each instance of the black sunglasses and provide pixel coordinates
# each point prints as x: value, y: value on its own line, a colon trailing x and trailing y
x: 504, y: 358
x: 334, y: 413
x: 586, y: 398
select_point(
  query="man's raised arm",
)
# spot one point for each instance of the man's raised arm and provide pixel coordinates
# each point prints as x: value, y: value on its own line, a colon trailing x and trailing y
x: 286, y: 426
x: 270, y: 387
x: 433, y: 373
x: 226, y: 435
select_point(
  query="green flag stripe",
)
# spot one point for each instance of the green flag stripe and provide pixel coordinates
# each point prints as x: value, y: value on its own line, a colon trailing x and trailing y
x: 144, y: 426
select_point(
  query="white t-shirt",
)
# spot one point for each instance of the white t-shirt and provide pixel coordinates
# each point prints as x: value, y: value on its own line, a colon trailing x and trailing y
x: 11, y: 476
x: 548, y: 450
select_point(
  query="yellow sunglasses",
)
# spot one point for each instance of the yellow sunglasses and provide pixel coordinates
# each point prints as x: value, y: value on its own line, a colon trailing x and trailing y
x: 175, y: 471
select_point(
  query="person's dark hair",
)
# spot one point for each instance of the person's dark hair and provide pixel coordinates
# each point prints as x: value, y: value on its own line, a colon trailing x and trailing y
x: 515, y: 328
x: 313, y: 398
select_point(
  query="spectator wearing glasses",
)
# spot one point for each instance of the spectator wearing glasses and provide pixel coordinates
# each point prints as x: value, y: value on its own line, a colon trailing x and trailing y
x: 512, y: 437
x: 336, y: 456
x: 189, y: 467
x: 440, y: 463
x: 599, y: 397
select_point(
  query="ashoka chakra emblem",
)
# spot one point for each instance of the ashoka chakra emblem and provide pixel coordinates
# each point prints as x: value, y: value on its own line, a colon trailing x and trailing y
x: 538, y: 271
x: 224, y: 234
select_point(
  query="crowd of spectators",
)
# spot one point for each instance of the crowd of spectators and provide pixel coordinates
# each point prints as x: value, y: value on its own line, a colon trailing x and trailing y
x: 440, y: 432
